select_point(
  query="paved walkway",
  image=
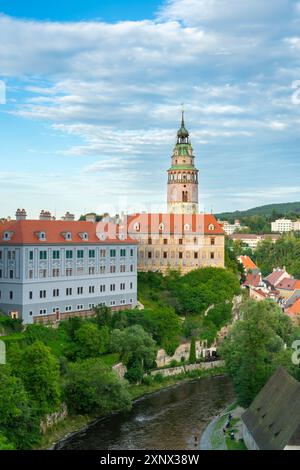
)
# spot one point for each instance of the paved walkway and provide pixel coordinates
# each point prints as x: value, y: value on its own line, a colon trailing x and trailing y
x: 215, y: 431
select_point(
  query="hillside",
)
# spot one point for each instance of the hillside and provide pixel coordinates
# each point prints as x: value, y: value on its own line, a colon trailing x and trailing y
x: 267, y: 210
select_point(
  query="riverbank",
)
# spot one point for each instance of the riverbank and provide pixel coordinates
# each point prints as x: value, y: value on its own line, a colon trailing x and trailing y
x: 74, y: 424
x: 214, y: 437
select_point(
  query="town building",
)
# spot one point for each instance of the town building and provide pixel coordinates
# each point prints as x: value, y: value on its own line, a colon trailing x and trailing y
x: 272, y: 421
x: 53, y: 269
x: 276, y: 276
x: 229, y: 229
x: 285, y: 225
x: 177, y: 241
x: 182, y: 238
x: 252, y: 239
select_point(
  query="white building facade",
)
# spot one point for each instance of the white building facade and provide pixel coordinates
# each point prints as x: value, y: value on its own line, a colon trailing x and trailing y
x: 54, y: 269
x: 285, y: 225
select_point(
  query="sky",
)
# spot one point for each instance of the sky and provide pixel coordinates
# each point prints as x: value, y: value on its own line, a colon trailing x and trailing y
x: 91, y: 93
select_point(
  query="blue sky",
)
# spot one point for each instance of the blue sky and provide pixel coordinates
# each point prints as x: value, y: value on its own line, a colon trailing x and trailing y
x: 93, y: 94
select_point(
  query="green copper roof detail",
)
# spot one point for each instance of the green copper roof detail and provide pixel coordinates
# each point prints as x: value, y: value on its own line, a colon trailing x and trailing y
x: 182, y: 133
x: 182, y: 167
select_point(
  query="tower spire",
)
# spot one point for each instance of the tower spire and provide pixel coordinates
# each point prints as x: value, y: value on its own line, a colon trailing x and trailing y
x: 182, y: 115
x: 182, y: 134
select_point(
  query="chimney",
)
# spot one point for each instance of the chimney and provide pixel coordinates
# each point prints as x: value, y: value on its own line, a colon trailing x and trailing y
x: 68, y: 217
x: 45, y: 215
x: 90, y: 218
x: 21, y: 214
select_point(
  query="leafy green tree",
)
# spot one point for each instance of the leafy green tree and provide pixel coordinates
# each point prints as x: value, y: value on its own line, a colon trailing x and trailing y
x: 255, y: 347
x: 199, y: 289
x: 38, y: 369
x: 9, y: 325
x: 134, y: 344
x: 91, y: 341
x: 135, y: 371
x: 103, y: 316
x: 18, y: 420
x: 5, y: 444
x: 92, y: 388
x: 285, y: 252
x: 192, y: 358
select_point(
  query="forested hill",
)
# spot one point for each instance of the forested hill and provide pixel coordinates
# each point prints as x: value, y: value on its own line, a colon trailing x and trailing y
x: 277, y: 210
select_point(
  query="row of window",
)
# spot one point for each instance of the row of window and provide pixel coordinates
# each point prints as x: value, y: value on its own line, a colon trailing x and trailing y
x: 56, y: 254
x: 69, y: 254
x: 166, y: 255
x: 56, y: 272
x: 180, y: 241
x: 69, y: 291
x: 69, y: 308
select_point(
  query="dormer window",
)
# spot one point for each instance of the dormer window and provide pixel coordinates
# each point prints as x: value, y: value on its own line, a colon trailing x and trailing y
x: 41, y: 236
x: 67, y: 235
x: 7, y: 235
x: 136, y: 227
x: 186, y: 227
x: 101, y: 235
x: 84, y: 235
x: 161, y: 227
x: 211, y: 227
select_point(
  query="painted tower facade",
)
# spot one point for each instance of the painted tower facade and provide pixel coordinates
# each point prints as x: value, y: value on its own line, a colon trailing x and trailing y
x: 183, y: 176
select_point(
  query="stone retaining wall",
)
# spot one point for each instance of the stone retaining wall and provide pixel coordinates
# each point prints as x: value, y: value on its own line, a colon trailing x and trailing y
x: 186, y: 368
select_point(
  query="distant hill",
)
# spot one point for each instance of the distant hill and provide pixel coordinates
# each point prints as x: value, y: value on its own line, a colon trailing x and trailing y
x: 267, y: 210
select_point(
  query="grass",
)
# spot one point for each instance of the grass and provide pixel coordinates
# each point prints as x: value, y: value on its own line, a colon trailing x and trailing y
x: 110, y: 359
x: 68, y: 425
x: 235, y: 445
x: 12, y: 337
x: 217, y: 439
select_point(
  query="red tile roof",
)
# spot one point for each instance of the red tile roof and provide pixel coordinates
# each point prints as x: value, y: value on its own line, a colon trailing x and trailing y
x: 247, y: 262
x: 275, y: 276
x: 294, y: 309
x: 26, y: 232
x: 253, y: 280
x: 181, y: 224
x: 287, y: 284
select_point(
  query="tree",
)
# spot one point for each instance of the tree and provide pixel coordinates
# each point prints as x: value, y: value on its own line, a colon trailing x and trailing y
x: 5, y: 444
x: 285, y: 252
x: 135, y: 345
x: 38, y: 369
x: 255, y: 347
x: 90, y: 341
x: 19, y: 425
x: 103, y: 316
x: 192, y: 358
x: 92, y: 388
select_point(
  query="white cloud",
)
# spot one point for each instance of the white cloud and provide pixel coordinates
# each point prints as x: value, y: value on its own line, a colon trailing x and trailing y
x: 200, y: 12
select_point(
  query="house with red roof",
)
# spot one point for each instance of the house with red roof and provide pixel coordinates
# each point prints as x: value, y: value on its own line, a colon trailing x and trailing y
x: 276, y: 276
x: 52, y: 269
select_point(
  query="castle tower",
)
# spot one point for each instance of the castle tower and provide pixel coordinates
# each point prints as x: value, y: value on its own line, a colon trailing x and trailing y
x: 183, y: 176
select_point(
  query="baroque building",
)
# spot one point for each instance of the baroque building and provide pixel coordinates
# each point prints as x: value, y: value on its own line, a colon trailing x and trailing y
x: 181, y: 239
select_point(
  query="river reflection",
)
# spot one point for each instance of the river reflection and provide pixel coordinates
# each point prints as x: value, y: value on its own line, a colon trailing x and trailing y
x: 168, y: 419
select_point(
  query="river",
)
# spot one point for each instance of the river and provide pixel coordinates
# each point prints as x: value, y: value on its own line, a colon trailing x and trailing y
x: 167, y: 419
